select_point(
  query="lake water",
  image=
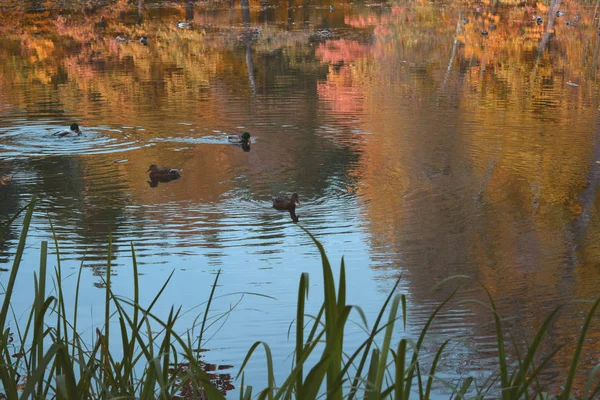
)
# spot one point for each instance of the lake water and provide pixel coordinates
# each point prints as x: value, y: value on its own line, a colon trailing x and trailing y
x: 419, y: 148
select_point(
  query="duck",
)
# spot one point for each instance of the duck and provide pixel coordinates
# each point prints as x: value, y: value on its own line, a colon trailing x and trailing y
x: 163, y: 174
x: 74, y: 129
x: 184, y: 25
x: 285, y: 203
x: 560, y: 14
x: 331, y: 8
x: 144, y: 40
x: 484, y: 33
x: 239, y: 139
x: 538, y: 19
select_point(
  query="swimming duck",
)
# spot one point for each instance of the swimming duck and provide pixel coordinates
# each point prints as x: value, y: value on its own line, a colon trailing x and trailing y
x: 74, y: 129
x: 285, y: 203
x: 163, y: 174
x: 184, y: 25
x: 538, y: 19
x: 239, y: 139
x: 144, y: 40
x: 560, y: 13
x: 331, y: 9
x: 484, y: 33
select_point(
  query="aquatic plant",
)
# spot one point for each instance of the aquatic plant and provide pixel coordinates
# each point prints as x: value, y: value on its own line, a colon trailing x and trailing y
x: 46, y: 356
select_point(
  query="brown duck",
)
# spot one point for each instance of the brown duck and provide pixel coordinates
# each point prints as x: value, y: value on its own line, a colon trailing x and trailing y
x: 287, y: 204
x: 163, y: 174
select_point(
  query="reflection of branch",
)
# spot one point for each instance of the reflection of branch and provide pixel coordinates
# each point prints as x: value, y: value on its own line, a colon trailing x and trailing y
x: 250, y: 65
x: 290, y: 20
x: 549, y: 28
x: 587, y: 198
x: 594, y: 28
x: 245, y: 13
x: 248, y: 39
x: 140, y: 11
x: 189, y: 11
x: 454, y: 47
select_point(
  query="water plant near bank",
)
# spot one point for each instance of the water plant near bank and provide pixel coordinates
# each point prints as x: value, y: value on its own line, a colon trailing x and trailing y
x: 46, y: 356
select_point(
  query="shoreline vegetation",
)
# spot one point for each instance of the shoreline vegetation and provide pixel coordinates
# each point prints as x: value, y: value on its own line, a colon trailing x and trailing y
x: 46, y: 357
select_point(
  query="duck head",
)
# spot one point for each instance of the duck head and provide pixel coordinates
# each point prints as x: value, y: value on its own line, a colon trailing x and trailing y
x: 246, y: 136
x: 152, y: 167
x: 75, y: 128
x: 294, y: 199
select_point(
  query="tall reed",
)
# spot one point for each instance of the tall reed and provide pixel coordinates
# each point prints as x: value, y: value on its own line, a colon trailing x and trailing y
x: 46, y: 357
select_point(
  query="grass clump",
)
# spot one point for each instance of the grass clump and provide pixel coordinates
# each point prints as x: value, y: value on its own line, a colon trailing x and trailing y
x: 49, y: 358
x: 46, y: 357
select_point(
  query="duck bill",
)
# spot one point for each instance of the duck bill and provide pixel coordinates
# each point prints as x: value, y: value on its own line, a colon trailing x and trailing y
x: 148, y: 170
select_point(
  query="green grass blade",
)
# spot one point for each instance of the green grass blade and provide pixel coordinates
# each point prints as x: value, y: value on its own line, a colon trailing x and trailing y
x: 270, y: 375
x: 400, y: 360
x: 589, y: 382
x: 210, y: 298
x: 76, y: 303
x: 38, y: 374
x: 465, y: 387
x: 433, y: 368
x: 302, y: 295
x: 365, y: 353
x: 16, y: 263
x: 333, y: 348
x: 409, y: 378
x: 387, y: 339
x: 531, y: 352
x: 573, y: 370
x: 6, y: 225
x: 504, y: 382
x: 371, y: 390
x: 314, y: 380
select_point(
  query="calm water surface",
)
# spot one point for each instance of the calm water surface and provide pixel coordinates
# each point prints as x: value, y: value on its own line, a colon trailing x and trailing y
x: 418, y: 147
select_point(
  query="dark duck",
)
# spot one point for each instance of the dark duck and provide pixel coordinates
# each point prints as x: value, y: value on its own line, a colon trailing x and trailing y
x: 287, y: 204
x: 162, y: 174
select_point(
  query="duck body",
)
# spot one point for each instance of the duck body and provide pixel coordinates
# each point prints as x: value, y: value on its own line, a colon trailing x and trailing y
x: 73, y: 131
x: 184, y: 25
x: 244, y: 138
x: 163, y: 174
x: 285, y: 203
